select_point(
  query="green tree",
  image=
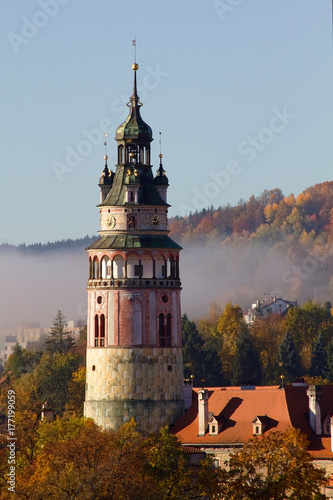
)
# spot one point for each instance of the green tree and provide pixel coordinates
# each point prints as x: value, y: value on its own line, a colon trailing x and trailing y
x: 318, y: 366
x: 290, y: 358
x: 200, y: 355
x: 53, y: 376
x: 246, y: 364
x: 277, y: 466
x: 193, y: 345
x: 329, y: 353
x: 22, y: 361
x: 60, y: 339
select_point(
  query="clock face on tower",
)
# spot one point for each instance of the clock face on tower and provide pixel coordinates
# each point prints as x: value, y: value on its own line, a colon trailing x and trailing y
x: 111, y: 221
x: 154, y: 221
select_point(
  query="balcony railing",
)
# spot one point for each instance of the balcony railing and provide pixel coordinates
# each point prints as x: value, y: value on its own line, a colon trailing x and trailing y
x: 134, y: 283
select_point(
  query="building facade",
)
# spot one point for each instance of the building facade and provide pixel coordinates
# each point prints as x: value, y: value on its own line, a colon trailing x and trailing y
x: 221, y: 420
x: 134, y: 349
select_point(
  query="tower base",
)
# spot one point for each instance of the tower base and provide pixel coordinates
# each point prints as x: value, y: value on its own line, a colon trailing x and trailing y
x: 141, y: 382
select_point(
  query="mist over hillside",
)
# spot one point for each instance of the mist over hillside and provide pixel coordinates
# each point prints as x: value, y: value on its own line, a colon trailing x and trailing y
x: 34, y: 287
x: 269, y: 244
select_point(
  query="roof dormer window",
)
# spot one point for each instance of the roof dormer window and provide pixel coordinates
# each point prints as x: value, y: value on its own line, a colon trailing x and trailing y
x: 259, y: 425
x: 214, y: 424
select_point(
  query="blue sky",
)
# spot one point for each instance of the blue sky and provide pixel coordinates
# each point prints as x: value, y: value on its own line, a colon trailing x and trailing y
x: 240, y: 89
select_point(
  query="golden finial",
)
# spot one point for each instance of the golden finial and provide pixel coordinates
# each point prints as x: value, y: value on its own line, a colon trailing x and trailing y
x: 106, y: 150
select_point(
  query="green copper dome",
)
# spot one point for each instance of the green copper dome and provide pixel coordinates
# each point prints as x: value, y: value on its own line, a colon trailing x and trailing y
x: 134, y: 127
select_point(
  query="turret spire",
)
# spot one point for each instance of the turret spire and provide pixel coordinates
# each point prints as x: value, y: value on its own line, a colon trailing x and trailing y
x: 106, y: 152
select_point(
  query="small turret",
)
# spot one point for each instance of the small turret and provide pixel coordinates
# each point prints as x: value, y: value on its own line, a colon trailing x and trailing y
x: 106, y: 179
x: 161, y: 182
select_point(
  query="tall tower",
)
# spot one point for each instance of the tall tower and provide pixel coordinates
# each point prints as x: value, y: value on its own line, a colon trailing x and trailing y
x: 134, y: 354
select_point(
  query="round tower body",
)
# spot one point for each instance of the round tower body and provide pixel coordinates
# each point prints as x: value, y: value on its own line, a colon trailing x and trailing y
x: 134, y: 345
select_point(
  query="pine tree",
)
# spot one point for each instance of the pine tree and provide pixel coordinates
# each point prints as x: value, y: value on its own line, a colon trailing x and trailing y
x: 192, y: 349
x: 318, y: 366
x: 290, y: 358
x: 200, y: 358
x: 246, y: 365
x: 60, y: 339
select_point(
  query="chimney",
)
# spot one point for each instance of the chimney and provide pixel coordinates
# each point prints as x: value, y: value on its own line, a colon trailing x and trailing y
x: 314, y: 394
x: 188, y: 388
x: 203, y: 411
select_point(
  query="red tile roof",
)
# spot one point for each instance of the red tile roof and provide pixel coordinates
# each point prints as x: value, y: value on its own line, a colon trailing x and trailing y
x: 284, y: 408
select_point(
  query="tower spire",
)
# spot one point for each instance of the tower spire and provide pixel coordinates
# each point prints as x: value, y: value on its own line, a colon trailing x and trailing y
x: 135, y: 99
x: 106, y: 152
x: 160, y: 170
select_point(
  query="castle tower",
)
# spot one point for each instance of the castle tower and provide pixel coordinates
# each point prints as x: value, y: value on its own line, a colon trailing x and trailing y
x: 134, y: 354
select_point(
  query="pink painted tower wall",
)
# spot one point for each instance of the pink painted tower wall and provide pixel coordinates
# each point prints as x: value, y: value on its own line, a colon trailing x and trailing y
x: 134, y: 355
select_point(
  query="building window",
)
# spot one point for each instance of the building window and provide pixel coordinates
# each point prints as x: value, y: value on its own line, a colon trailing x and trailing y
x: 99, y: 331
x: 257, y: 431
x: 168, y: 331
x: 161, y: 330
x: 165, y: 330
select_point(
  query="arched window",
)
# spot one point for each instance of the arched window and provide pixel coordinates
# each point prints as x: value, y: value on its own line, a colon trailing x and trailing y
x: 168, y: 333
x: 134, y: 268
x: 142, y: 154
x: 106, y: 268
x: 147, y: 266
x: 95, y: 269
x: 102, y: 331
x: 160, y: 267
x: 161, y: 330
x: 120, y: 154
x: 118, y: 267
x: 96, y: 331
x: 172, y: 268
x: 99, y: 330
x: 91, y: 268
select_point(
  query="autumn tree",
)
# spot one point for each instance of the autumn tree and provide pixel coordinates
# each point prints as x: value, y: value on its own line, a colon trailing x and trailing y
x: 267, y: 334
x: 275, y: 466
x: 77, y: 460
x: 305, y: 324
x: 230, y: 326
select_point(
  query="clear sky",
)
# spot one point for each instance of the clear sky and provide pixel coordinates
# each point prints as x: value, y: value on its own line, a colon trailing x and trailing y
x: 240, y: 89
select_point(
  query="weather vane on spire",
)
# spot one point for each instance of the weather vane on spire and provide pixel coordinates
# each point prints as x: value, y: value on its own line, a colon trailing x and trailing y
x: 134, y: 45
x: 106, y: 150
x: 160, y: 141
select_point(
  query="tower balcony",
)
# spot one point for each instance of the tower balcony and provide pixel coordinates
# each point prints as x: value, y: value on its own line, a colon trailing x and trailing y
x: 134, y: 283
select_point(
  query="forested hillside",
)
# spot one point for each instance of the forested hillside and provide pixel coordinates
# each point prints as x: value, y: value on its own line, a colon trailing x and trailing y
x: 269, y: 218
x: 271, y: 242
x: 230, y: 254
